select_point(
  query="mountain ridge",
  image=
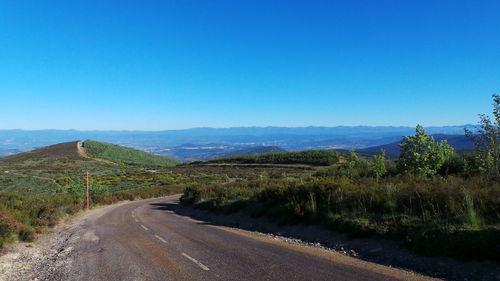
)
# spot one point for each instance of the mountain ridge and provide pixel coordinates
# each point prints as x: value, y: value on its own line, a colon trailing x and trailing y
x: 205, y: 141
x: 458, y: 142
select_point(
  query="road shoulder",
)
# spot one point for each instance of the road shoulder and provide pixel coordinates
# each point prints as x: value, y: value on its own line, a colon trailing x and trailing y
x: 383, y: 252
x: 46, y: 258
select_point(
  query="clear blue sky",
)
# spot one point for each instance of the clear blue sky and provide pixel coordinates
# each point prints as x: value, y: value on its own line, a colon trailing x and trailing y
x: 155, y: 65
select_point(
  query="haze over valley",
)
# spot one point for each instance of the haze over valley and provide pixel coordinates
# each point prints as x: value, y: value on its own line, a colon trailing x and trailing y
x: 210, y: 143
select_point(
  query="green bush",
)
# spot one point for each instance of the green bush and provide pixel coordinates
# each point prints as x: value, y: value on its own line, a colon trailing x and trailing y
x: 26, y: 235
x: 357, y: 167
x: 8, y: 227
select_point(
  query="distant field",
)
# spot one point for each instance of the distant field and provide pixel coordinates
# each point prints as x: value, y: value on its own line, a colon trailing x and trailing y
x: 243, y: 170
x: 307, y: 157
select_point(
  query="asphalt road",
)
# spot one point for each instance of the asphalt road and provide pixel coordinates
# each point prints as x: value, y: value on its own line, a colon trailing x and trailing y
x: 145, y: 240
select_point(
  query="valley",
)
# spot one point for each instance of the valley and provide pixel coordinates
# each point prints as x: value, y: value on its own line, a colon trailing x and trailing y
x: 212, y: 143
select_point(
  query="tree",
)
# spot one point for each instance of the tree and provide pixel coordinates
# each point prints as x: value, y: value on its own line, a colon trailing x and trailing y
x: 356, y: 166
x: 378, y: 164
x: 487, y: 140
x: 421, y: 155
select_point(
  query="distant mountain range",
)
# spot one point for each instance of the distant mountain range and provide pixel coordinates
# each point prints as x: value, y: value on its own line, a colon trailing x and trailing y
x: 205, y: 143
x: 458, y: 142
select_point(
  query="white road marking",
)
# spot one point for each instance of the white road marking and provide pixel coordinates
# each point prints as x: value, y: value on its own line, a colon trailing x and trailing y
x: 136, y: 220
x: 145, y: 228
x: 161, y: 239
x: 195, y: 261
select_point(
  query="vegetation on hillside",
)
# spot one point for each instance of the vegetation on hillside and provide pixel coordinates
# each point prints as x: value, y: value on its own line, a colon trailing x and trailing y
x: 40, y: 187
x: 22, y: 217
x: 58, y: 156
x: 253, y: 151
x: 126, y: 155
x: 439, y: 202
x: 308, y: 157
x: 416, y: 209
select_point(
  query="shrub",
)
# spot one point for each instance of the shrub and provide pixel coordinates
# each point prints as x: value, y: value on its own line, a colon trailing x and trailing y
x: 8, y: 226
x: 402, y: 206
x: 357, y: 167
x: 26, y: 235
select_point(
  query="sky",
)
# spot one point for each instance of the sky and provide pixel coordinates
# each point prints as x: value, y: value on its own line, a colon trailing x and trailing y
x: 157, y: 65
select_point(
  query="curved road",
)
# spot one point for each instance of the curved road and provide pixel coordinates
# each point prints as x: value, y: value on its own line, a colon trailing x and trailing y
x: 145, y: 240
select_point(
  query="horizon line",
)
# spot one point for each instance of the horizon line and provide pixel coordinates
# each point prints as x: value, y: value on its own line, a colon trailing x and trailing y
x: 242, y: 127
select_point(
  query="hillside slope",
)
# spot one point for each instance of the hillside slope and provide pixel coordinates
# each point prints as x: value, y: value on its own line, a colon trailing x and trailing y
x: 54, y: 168
x: 45, y: 157
x: 48, y: 170
x: 120, y: 154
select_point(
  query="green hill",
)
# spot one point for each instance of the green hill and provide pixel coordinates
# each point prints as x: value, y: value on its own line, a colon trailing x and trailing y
x: 307, y: 157
x: 40, y: 187
x: 52, y: 169
x: 120, y: 154
x: 77, y: 155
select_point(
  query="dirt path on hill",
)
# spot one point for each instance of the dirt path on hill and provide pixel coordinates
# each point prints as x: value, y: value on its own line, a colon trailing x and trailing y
x: 82, y: 153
